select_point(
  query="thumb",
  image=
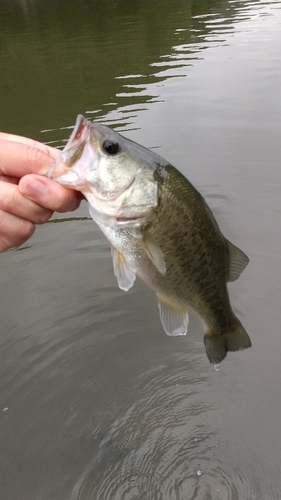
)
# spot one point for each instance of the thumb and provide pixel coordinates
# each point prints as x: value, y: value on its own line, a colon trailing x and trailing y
x: 49, y: 194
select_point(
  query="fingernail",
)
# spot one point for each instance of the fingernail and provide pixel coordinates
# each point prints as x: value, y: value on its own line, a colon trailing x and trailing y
x: 34, y: 189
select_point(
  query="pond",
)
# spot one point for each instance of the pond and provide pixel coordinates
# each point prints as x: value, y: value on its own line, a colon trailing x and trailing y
x: 96, y: 402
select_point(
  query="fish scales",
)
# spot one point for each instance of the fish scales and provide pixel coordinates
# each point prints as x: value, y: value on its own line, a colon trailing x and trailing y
x: 197, y: 265
x: 160, y: 229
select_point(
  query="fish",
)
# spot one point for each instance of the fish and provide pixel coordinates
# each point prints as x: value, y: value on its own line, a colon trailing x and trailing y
x: 160, y: 229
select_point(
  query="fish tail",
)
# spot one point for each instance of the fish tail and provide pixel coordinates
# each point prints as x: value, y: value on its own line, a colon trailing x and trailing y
x: 217, y: 346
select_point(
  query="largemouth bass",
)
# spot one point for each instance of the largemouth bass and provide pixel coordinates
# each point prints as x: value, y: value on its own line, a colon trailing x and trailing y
x: 160, y: 229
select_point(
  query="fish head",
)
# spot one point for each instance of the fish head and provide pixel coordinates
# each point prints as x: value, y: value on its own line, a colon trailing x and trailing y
x: 115, y: 174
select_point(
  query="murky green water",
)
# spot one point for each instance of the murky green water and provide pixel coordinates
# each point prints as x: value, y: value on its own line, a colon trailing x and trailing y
x: 96, y: 402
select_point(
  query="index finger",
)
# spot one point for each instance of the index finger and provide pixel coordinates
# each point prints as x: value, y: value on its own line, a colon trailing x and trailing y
x: 48, y: 150
x: 18, y: 159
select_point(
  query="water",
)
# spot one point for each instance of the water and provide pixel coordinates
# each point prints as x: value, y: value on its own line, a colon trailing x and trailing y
x: 97, y: 402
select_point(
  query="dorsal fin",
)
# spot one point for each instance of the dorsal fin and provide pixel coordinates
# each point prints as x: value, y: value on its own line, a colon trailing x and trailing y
x: 237, y: 261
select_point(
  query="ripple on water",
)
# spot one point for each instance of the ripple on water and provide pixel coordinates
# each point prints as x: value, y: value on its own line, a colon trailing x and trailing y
x: 161, y: 448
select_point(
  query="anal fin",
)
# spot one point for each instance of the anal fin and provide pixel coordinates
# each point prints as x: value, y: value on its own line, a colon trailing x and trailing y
x: 125, y: 276
x: 174, y: 316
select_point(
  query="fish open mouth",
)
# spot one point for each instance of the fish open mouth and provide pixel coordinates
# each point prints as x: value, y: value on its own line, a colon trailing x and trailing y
x: 82, y: 166
x: 71, y: 167
x: 80, y: 133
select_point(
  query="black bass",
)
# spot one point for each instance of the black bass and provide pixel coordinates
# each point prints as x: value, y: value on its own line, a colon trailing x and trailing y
x: 160, y: 229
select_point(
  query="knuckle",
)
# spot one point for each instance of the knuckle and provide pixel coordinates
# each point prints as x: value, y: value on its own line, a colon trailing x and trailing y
x: 44, y: 216
x: 34, y: 155
x: 13, y: 231
x: 8, y: 199
x: 12, y: 201
x: 4, y: 245
x: 26, y: 230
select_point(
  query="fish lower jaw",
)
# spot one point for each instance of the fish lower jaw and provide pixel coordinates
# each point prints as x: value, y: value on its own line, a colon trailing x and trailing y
x: 68, y: 178
x: 107, y: 220
x: 124, y: 223
x: 128, y: 219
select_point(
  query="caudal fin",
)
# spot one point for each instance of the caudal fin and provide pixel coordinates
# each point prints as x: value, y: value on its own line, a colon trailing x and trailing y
x: 217, y: 346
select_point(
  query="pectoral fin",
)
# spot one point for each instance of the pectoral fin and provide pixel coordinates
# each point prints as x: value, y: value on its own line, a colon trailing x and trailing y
x: 154, y: 252
x: 125, y: 276
x: 174, y: 317
x: 237, y: 261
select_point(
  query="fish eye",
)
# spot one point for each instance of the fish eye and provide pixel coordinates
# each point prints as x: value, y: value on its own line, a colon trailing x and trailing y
x: 110, y: 147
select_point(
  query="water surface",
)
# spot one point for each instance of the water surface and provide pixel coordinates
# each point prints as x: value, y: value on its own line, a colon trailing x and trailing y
x: 97, y: 402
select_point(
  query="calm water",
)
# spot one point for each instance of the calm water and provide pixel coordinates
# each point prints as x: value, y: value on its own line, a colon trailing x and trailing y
x: 96, y: 402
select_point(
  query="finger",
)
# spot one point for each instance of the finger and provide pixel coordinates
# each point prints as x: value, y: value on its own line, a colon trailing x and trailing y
x: 13, y: 202
x: 11, y: 180
x: 18, y: 159
x: 13, y: 231
x: 48, y: 150
x: 49, y: 194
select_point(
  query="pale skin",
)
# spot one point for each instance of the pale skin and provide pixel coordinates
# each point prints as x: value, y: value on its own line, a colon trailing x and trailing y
x: 27, y: 198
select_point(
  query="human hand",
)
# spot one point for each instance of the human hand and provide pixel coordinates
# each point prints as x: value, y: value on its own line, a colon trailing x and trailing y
x: 27, y: 198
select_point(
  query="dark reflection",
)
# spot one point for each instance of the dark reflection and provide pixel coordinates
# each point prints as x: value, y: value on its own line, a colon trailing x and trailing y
x: 74, y: 52
x: 67, y: 219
